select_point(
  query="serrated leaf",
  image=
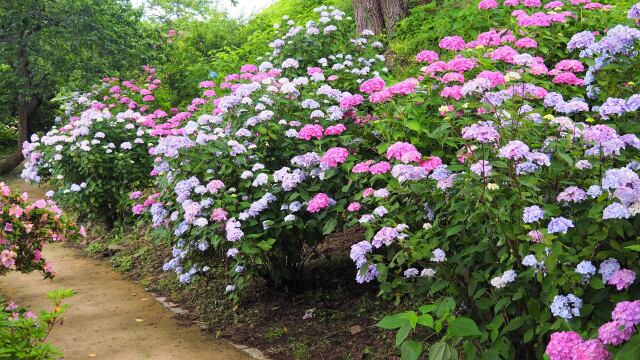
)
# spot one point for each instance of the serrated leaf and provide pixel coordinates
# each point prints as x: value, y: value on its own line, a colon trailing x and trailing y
x: 442, y: 351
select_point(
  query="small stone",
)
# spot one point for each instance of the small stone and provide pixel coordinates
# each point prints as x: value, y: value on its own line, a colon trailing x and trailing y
x: 356, y: 329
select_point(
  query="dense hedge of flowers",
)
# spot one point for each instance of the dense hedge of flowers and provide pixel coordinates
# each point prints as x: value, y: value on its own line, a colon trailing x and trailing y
x: 257, y: 175
x: 528, y: 194
x: 25, y: 227
x: 499, y: 183
x: 100, y: 150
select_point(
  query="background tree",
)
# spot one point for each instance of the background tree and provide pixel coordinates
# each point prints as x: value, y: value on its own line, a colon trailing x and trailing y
x: 49, y: 44
x: 380, y: 16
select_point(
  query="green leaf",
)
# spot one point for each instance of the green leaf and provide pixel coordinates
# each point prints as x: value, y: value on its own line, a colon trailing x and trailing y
x: 463, y: 327
x: 454, y: 230
x: 631, y: 350
x: 390, y: 322
x: 633, y: 247
x: 329, y: 226
x: 413, y: 125
x: 426, y: 320
x: 442, y: 351
x: 403, y: 332
x: 514, y: 324
x: 410, y: 350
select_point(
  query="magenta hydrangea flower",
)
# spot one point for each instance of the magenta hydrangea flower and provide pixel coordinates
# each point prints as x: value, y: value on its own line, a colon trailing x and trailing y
x: 382, y: 167
x: 349, y: 102
x: 562, y: 344
x: 627, y: 312
x: 353, y: 207
x: 372, y: 85
x: 487, y: 4
x: 615, y: 333
x: 622, y: 279
x: 334, y: 156
x: 398, y: 149
x: 310, y: 131
x: 591, y: 350
x: 427, y: 56
x: 453, y: 43
x: 319, y: 202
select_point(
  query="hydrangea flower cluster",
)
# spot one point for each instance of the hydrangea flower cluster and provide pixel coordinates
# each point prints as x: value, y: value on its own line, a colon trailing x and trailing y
x: 25, y: 226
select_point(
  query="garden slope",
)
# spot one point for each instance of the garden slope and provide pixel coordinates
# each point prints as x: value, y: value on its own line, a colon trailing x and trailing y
x: 104, y: 318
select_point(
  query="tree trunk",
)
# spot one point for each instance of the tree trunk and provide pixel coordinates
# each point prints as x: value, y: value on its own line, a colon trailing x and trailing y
x: 25, y: 115
x: 368, y: 14
x: 393, y: 11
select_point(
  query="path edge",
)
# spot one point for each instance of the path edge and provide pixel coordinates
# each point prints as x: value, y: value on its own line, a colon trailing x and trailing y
x: 252, y: 352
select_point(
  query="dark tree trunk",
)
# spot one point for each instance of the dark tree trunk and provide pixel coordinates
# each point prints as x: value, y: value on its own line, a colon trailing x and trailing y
x: 393, y: 11
x: 379, y: 15
x: 368, y: 14
x: 25, y: 112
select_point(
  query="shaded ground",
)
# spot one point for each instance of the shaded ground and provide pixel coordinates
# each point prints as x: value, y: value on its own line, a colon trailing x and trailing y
x: 344, y: 312
x: 109, y: 317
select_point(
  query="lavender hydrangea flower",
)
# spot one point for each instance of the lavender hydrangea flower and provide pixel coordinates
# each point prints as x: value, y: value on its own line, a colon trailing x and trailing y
x: 559, y: 225
x: 616, y: 211
x: 581, y: 40
x: 586, y: 269
x: 566, y: 307
x: 532, y: 214
x: 607, y: 268
x: 438, y: 255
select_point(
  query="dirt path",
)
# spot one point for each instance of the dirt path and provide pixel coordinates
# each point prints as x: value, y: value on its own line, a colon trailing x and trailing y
x: 109, y: 317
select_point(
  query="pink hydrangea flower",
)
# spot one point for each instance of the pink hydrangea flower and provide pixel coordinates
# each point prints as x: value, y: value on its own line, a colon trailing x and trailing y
x: 454, y: 92
x: 427, y: 56
x: 382, y: 167
x: 591, y: 350
x: 627, y: 312
x: 526, y: 43
x: 353, y: 207
x: 487, y: 4
x: 335, y: 129
x: 615, y: 333
x: 622, y: 279
x: 562, y: 344
x: 396, y: 150
x: 567, y: 78
x: 318, y: 202
x: 334, y: 156
x: 214, y: 185
x: 349, y: 102
x: 372, y: 85
x: 404, y: 87
x: 431, y: 163
x: 381, y: 96
x: 569, y: 65
x: 368, y: 192
x: 218, y: 214
x: 362, y: 167
x: 453, y: 43
x: 310, y: 131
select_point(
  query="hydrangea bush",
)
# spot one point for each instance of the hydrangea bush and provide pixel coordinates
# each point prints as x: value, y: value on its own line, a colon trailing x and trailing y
x: 527, y: 189
x: 25, y: 227
x: 498, y: 184
x: 257, y: 175
x: 99, y: 151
